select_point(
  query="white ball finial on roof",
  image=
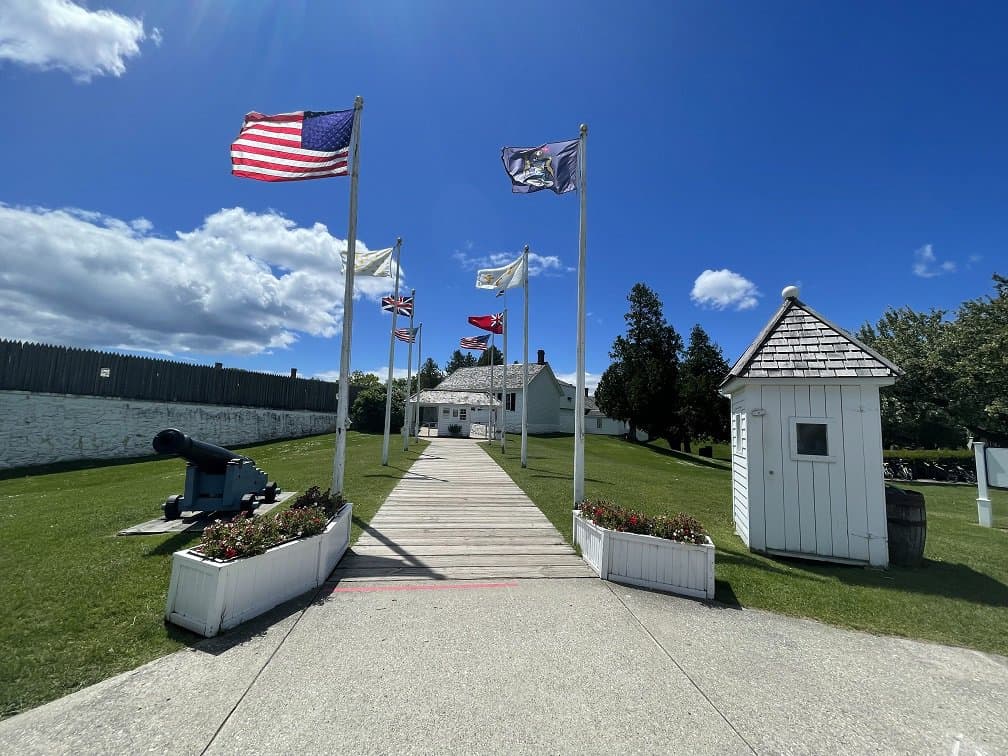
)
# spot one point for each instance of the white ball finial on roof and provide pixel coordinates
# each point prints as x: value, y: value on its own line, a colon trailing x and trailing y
x: 790, y: 292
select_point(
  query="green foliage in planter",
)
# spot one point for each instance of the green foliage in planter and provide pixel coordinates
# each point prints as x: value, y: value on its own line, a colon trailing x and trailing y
x: 681, y: 527
x: 455, y: 429
x: 315, y: 497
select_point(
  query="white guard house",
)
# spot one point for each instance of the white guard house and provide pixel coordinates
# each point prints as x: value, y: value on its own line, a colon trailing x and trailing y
x: 807, y: 440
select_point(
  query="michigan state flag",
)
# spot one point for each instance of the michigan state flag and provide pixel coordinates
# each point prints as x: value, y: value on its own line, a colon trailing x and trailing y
x: 549, y: 166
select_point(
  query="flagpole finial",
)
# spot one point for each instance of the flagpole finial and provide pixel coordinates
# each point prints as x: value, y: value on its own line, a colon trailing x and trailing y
x: 398, y: 240
x: 584, y: 129
x: 526, y: 247
x: 358, y: 102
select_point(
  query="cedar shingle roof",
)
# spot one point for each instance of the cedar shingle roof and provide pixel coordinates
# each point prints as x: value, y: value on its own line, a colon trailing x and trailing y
x: 798, y: 342
x: 478, y: 378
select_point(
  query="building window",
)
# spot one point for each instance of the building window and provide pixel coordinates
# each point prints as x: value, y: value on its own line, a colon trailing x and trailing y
x: 511, y: 402
x: 599, y: 421
x: 444, y: 411
x: 738, y: 432
x: 813, y: 439
x: 454, y: 413
x: 462, y: 414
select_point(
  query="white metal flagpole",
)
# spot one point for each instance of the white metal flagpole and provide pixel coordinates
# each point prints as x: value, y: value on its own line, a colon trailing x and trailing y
x: 504, y: 379
x: 391, y: 359
x: 419, y: 364
x: 579, y: 401
x: 524, y: 437
x: 493, y: 419
x: 339, y: 459
x: 409, y: 376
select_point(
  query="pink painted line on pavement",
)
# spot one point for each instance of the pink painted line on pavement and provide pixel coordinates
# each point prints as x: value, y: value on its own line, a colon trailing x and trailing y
x: 422, y: 587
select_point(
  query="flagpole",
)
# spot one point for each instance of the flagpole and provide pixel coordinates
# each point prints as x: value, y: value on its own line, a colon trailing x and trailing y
x: 579, y: 402
x: 409, y: 375
x: 339, y: 459
x: 493, y: 422
x: 391, y: 359
x: 524, y: 437
x: 419, y: 363
x: 504, y: 372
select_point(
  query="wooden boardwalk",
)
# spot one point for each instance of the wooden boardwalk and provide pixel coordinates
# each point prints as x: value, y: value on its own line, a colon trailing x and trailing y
x: 456, y: 515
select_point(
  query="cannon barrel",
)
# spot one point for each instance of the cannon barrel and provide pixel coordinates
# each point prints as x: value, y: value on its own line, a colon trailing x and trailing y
x: 209, y: 457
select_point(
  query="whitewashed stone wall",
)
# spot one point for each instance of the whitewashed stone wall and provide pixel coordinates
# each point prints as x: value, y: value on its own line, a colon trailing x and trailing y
x: 37, y: 429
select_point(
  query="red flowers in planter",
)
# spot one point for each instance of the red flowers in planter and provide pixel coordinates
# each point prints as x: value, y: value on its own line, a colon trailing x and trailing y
x: 247, y: 536
x: 681, y: 527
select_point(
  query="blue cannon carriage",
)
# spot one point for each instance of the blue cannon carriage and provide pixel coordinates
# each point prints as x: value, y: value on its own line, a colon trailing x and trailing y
x: 217, y: 479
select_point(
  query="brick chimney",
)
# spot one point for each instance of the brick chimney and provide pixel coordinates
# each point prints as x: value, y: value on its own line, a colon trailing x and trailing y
x: 541, y: 358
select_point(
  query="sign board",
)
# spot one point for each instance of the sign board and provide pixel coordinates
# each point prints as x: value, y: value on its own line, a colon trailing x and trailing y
x: 997, y: 467
x: 104, y: 372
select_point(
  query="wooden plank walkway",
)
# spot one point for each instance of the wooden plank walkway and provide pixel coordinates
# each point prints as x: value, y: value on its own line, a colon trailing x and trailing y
x: 456, y: 515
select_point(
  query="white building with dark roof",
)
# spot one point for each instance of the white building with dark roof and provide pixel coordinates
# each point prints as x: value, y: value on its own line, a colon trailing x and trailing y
x: 465, y: 399
x: 806, y: 440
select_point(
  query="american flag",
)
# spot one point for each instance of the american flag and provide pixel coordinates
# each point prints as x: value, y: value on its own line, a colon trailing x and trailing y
x: 402, y: 305
x: 293, y: 146
x: 405, y: 334
x: 478, y: 343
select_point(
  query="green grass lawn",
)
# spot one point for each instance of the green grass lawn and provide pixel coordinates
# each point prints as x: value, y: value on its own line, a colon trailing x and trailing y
x: 80, y: 603
x: 959, y: 596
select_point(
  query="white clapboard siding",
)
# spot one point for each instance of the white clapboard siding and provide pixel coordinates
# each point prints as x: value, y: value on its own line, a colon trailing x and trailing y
x: 740, y: 471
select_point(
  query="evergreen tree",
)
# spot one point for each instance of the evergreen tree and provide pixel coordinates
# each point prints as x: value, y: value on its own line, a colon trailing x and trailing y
x: 459, y: 360
x: 430, y: 375
x: 484, y: 359
x: 704, y: 411
x: 643, y: 389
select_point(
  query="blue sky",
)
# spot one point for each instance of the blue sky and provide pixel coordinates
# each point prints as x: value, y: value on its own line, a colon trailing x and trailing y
x: 857, y: 149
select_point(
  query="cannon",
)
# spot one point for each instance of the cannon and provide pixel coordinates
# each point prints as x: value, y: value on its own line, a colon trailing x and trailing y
x: 217, y: 479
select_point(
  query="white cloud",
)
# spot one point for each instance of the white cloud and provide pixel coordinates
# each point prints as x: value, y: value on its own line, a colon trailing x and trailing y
x: 720, y: 289
x: 60, y: 34
x: 591, y: 380
x: 926, y: 264
x: 242, y: 282
x: 538, y: 264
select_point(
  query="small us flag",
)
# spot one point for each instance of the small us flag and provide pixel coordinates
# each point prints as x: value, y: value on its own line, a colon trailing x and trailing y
x: 478, y: 343
x: 293, y: 146
x: 402, y: 305
x: 405, y: 334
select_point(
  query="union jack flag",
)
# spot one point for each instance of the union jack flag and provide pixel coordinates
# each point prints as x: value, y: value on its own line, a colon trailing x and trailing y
x: 402, y: 305
x: 406, y: 334
x: 478, y: 343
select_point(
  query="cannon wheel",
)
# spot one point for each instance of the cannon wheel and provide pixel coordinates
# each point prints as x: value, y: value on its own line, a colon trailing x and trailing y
x: 270, y: 494
x: 247, y: 503
x: 171, y: 508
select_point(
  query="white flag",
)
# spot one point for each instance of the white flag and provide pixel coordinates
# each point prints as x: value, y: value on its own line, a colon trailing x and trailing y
x: 371, y: 263
x: 512, y: 274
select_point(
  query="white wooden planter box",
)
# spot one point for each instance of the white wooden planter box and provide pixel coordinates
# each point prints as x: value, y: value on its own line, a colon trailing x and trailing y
x: 207, y: 596
x: 649, y: 562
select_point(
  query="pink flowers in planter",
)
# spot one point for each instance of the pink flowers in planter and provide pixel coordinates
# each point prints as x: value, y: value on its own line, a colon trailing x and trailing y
x: 682, y: 528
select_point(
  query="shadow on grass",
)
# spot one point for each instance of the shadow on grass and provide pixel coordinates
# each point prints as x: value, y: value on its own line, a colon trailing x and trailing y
x: 177, y: 541
x: 73, y: 466
x: 932, y: 578
x: 724, y: 596
x: 691, y: 458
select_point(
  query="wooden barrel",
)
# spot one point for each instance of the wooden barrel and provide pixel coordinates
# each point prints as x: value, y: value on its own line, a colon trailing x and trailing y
x: 907, y: 525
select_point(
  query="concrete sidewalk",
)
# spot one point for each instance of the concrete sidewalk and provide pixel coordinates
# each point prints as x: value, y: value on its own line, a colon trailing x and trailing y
x: 552, y: 665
